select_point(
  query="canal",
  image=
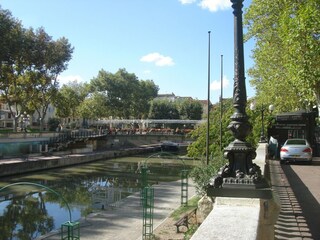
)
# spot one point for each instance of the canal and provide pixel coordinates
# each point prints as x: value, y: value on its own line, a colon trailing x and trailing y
x: 28, y: 210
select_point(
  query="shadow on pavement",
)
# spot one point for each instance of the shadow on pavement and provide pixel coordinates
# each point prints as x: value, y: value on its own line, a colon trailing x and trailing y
x: 308, y: 203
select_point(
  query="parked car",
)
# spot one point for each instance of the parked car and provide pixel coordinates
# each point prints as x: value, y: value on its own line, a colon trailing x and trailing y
x: 296, y: 149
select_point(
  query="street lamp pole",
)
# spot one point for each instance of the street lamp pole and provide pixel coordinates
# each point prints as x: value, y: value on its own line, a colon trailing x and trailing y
x: 262, y: 109
x: 221, y: 102
x: 25, y: 121
x: 240, y: 171
x: 262, y: 136
x: 208, y: 104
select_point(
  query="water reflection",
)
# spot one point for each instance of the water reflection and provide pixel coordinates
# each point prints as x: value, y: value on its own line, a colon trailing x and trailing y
x: 27, y: 212
x: 25, y: 217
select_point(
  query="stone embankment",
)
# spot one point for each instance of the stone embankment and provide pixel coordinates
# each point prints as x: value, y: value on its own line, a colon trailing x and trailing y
x: 37, y: 162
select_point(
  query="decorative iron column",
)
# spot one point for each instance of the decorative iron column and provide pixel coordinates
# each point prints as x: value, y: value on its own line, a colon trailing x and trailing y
x: 240, y: 170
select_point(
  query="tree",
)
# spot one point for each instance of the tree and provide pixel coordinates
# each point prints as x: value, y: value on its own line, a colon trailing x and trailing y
x: 30, y: 62
x: 164, y: 109
x: 48, y: 59
x: 198, y: 147
x: 202, y: 173
x: 12, y: 52
x: 146, y: 92
x: 94, y: 106
x: 126, y: 95
x: 69, y: 98
x: 190, y: 109
x: 287, y: 52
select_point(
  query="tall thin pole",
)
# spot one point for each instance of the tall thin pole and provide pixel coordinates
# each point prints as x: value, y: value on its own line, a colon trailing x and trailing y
x: 221, y: 102
x: 208, y: 105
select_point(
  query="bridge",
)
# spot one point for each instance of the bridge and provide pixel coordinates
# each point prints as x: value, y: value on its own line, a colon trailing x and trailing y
x: 147, y: 121
x: 22, y: 144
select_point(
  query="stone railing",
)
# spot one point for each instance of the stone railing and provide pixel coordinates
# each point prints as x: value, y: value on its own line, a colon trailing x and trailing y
x: 242, y: 217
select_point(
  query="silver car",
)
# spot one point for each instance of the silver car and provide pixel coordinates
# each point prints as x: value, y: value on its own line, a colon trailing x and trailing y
x: 296, y: 149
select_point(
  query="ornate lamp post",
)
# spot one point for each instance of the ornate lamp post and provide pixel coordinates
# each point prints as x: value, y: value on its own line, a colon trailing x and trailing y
x: 25, y: 118
x: 262, y: 109
x: 240, y: 171
x: 40, y: 124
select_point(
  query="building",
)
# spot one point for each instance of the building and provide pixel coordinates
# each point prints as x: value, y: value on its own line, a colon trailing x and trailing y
x: 7, y: 117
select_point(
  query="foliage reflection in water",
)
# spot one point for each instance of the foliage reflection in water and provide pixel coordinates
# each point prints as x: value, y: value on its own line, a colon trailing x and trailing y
x: 27, y: 212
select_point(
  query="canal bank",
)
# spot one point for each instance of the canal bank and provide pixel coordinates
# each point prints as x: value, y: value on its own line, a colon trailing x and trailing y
x: 124, y: 215
x: 37, y: 162
x: 28, y: 154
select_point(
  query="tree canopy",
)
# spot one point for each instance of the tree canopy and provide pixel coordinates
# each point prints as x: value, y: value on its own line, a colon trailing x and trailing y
x: 69, y: 99
x: 287, y: 52
x: 126, y: 96
x: 30, y: 62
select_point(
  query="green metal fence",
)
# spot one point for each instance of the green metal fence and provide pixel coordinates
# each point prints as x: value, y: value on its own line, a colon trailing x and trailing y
x: 184, y: 187
x: 148, y: 207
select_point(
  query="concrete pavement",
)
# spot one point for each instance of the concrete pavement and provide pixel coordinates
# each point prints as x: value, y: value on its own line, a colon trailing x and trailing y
x: 292, y: 223
x: 125, y: 220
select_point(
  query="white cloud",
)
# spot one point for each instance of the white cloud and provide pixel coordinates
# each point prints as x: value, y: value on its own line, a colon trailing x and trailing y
x: 216, y: 84
x: 215, y: 5
x: 69, y: 78
x: 158, y: 59
x: 187, y: 1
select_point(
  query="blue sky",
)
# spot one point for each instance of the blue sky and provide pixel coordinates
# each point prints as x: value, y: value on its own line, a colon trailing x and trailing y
x: 162, y: 40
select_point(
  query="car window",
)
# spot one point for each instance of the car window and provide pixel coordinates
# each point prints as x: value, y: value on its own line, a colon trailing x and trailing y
x: 296, y: 142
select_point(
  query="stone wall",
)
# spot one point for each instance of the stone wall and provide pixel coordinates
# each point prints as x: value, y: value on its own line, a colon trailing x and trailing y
x: 22, y: 165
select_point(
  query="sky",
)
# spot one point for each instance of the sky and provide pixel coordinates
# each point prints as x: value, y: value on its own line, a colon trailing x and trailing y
x: 166, y: 41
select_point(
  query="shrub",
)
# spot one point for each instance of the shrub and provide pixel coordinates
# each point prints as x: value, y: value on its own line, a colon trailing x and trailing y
x: 202, y: 173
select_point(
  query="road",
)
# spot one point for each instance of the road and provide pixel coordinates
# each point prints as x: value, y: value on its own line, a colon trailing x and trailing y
x: 305, y: 182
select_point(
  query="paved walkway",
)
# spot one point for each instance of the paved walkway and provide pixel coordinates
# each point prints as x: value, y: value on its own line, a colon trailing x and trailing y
x: 125, y: 221
x: 291, y: 222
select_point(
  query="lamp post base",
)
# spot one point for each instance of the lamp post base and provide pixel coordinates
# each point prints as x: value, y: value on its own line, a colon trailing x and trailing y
x: 262, y: 139
x: 240, y: 172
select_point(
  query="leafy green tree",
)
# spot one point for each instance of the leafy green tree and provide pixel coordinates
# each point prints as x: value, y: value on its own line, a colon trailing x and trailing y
x: 12, y: 64
x: 94, y: 106
x: 190, y: 109
x: 69, y: 98
x: 127, y: 96
x: 287, y: 52
x: 49, y: 58
x: 203, y: 172
x: 30, y: 62
x: 198, y: 147
x: 53, y: 124
x: 164, y: 109
x: 146, y: 92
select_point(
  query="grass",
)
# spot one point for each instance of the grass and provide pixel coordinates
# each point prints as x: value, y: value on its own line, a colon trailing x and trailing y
x: 192, y: 203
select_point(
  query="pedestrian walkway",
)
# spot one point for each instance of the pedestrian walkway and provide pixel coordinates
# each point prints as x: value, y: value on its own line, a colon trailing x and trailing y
x: 291, y: 222
x: 125, y: 221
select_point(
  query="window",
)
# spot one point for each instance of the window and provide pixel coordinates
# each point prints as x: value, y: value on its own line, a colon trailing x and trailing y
x: 296, y: 142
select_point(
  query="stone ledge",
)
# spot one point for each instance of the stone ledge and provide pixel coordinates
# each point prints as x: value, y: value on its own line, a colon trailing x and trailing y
x: 231, y: 218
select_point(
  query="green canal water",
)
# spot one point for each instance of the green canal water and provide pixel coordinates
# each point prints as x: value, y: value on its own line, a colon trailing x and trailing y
x: 28, y: 211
